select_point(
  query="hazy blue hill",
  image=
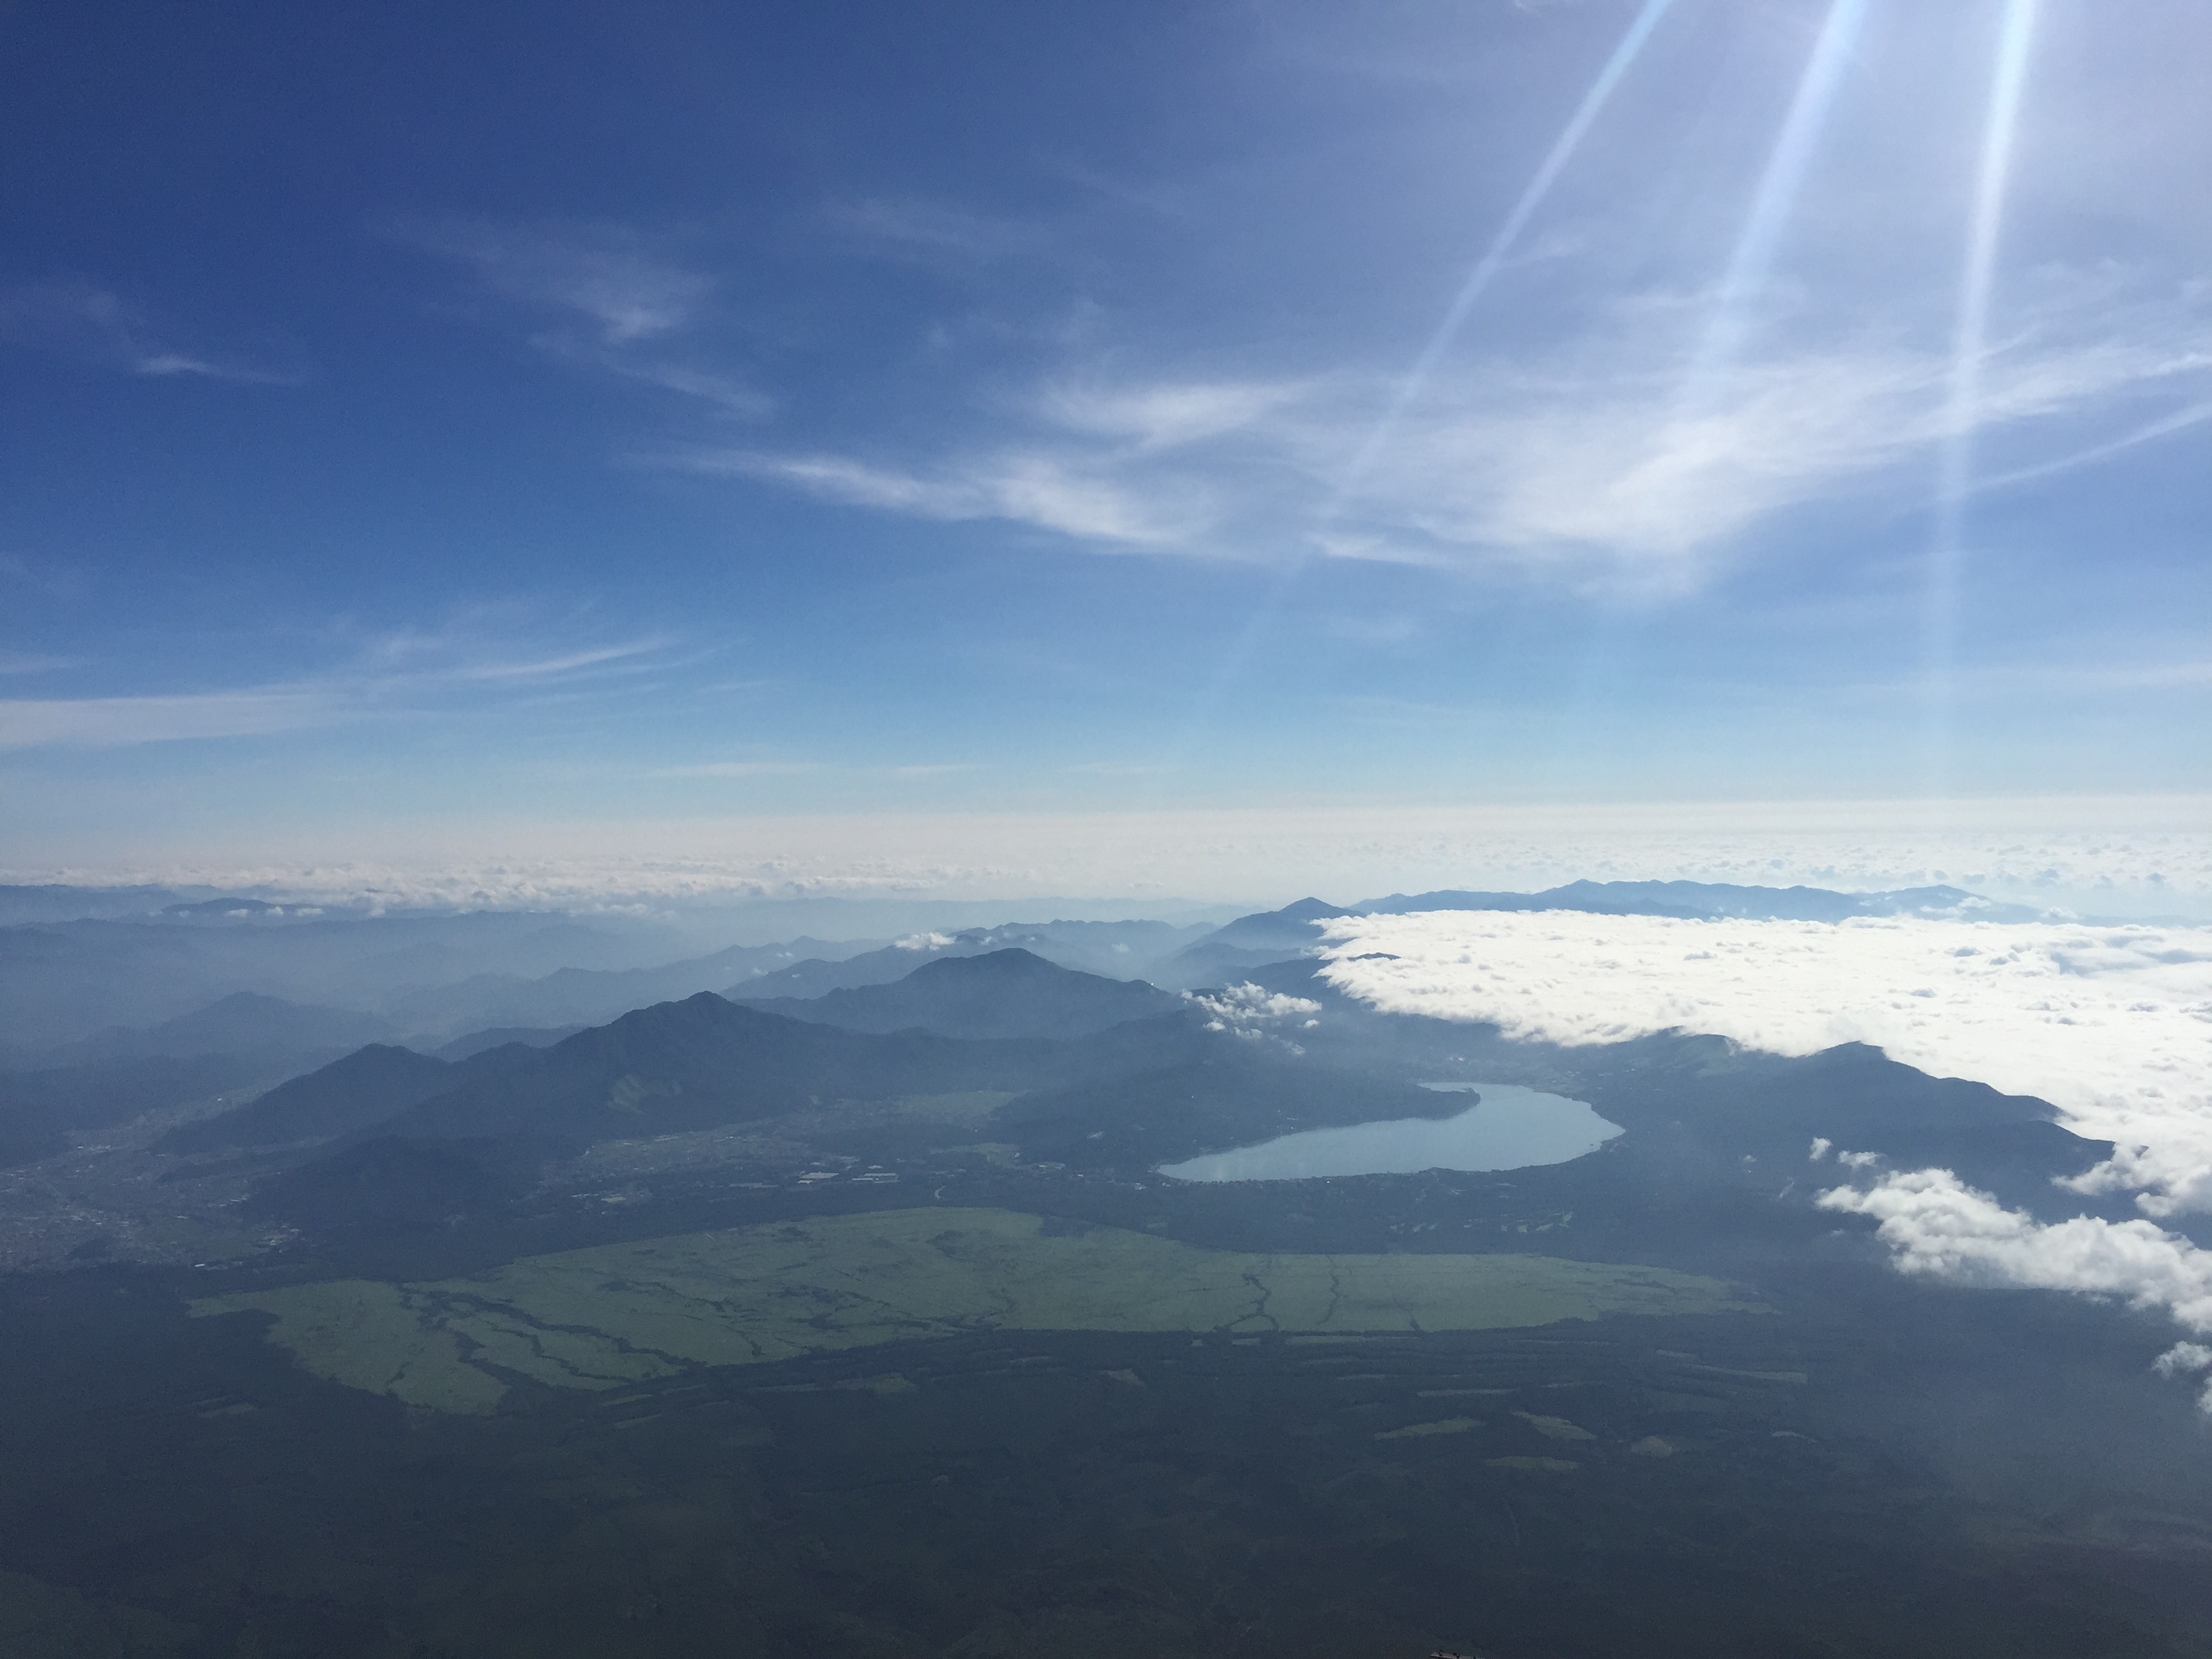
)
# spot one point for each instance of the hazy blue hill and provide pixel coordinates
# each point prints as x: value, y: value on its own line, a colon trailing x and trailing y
x: 447, y: 1132
x: 57, y: 901
x: 577, y: 997
x: 819, y: 976
x: 38, y: 1107
x: 530, y: 1036
x: 243, y: 1022
x: 1117, y: 950
x: 704, y: 1061
x: 1011, y: 993
x: 62, y: 982
x: 363, y: 1089
x: 1248, y: 942
x: 1292, y: 925
x: 1111, y: 950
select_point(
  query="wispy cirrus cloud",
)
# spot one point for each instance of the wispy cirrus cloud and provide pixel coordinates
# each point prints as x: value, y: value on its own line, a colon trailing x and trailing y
x: 609, y: 275
x: 931, y: 232
x: 33, y: 662
x: 737, y: 769
x: 630, y: 655
x: 96, y: 324
x: 1069, y: 494
x: 615, y: 300
x: 1593, y: 462
x: 114, y: 722
x: 397, y: 674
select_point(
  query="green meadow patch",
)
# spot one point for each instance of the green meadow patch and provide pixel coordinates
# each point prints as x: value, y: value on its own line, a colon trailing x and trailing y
x: 620, y: 1313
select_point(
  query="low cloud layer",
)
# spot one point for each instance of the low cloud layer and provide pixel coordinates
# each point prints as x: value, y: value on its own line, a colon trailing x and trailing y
x: 1252, y: 1010
x: 2112, y: 1025
x: 1938, y: 1227
x: 2140, y: 856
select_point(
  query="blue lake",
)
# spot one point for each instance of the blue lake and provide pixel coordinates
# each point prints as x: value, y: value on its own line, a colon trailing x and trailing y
x: 1508, y: 1128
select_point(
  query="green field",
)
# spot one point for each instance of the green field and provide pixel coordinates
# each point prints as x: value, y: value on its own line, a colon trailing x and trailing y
x: 630, y: 1313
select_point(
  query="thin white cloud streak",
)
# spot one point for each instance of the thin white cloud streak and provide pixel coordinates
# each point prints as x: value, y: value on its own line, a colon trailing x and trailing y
x: 930, y: 231
x: 35, y: 662
x: 605, y: 656
x: 627, y: 293
x: 726, y: 393
x: 262, y: 711
x: 607, y: 274
x: 1166, y: 414
x: 1064, y: 494
x: 2180, y: 421
x: 738, y: 770
x: 96, y: 324
x: 112, y: 722
x: 2111, y: 1026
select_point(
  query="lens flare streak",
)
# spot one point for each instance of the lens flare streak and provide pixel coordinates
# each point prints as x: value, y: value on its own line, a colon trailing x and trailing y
x: 1963, y: 399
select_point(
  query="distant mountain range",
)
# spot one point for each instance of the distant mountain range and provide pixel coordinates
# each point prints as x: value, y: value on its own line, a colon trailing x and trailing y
x: 1114, y: 950
x: 1079, y: 1072
x: 243, y: 1022
x: 1010, y: 993
x: 492, y: 1030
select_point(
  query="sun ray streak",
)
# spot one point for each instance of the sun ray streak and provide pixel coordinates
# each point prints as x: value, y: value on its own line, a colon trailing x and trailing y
x: 1239, y: 651
x: 1728, y: 322
x: 1502, y: 244
x: 1963, y: 394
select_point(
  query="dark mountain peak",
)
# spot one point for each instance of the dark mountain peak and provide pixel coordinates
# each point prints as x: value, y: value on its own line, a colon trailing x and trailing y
x: 382, y: 1059
x: 1009, y: 993
x: 471, y: 1044
x: 1292, y: 923
x: 1013, y: 962
x: 348, y: 1094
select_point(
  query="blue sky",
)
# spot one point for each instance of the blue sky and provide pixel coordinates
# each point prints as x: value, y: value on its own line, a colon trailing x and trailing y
x: 426, y: 416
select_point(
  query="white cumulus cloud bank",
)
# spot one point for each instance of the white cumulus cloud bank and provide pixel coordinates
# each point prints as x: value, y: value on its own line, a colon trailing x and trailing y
x: 1248, y: 1010
x: 1937, y: 1227
x: 2111, y: 1024
x: 1255, y: 1012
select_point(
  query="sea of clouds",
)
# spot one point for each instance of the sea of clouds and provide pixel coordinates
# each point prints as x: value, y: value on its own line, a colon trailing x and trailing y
x: 2136, y: 857
x: 2111, y: 1024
